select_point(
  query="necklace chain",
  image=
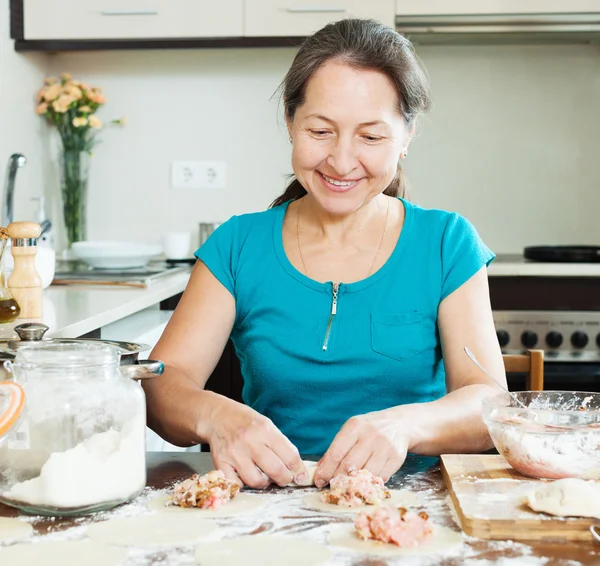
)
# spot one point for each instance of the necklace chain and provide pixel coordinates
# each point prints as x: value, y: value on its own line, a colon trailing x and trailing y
x: 387, y: 212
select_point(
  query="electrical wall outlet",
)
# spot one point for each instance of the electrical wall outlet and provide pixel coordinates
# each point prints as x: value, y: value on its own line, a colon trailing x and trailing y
x: 199, y: 175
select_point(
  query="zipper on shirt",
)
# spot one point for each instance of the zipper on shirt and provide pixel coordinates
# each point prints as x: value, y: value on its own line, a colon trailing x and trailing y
x: 334, y: 299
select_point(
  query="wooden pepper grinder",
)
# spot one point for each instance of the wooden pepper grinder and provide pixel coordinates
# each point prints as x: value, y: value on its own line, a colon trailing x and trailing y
x: 24, y: 282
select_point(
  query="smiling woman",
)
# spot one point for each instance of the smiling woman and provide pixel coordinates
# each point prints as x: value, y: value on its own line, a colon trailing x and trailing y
x: 349, y: 306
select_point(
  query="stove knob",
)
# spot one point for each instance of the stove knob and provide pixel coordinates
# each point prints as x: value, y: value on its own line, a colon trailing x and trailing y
x: 579, y: 339
x: 529, y: 339
x: 554, y: 339
x: 504, y: 338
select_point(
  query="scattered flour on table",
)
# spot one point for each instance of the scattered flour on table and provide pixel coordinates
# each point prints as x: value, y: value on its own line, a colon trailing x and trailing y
x: 285, y: 515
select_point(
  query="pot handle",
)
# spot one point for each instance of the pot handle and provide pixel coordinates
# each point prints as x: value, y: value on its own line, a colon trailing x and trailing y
x: 143, y: 369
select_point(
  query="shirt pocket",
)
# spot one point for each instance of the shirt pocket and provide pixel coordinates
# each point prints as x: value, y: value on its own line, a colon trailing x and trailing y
x: 399, y: 336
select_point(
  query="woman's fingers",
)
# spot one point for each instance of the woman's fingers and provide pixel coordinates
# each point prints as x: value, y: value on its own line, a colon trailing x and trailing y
x: 340, y: 447
x: 289, y: 456
x: 230, y: 473
x: 355, y: 459
x: 392, y: 465
x: 271, y: 464
x: 251, y: 475
x: 377, y: 462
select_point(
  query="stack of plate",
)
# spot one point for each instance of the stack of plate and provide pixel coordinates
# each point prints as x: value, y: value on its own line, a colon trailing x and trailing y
x: 115, y: 255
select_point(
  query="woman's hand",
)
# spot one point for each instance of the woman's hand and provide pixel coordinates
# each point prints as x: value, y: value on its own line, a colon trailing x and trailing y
x: 376, y: 441
x: 247, y: 446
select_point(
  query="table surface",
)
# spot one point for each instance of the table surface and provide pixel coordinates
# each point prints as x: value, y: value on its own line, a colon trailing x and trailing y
x: 420, y: 474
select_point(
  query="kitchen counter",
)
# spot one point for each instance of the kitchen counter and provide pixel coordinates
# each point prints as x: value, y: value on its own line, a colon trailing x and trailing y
x: 71, y: 311
x: 510, y: 265
x: 286, y: 516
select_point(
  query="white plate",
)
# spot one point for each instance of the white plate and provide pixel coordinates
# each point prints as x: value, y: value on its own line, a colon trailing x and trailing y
x: 115, y: 255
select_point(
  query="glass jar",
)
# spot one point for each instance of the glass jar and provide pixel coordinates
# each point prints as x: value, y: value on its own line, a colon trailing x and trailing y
x: 78, y: 444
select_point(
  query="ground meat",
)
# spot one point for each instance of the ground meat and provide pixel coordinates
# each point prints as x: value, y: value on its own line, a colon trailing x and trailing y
x: 394, y: 525
x: 209, y: 491
x: 358, y: 487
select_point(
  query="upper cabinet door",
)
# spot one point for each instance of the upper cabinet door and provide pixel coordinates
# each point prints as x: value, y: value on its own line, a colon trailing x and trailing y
x: 132, y: 19
x: 289, y: 18
x: 458, y: 7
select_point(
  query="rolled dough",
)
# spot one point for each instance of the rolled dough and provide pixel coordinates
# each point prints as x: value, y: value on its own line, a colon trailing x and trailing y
x: 400, y: 498
x: 63, y: 553
x: 311, y: 468
x: 262, y: 549
x: 12, y: 530
x: 241, y: 503
x: 443, y: 540
x: 568, y: 497
x: 152, y: 530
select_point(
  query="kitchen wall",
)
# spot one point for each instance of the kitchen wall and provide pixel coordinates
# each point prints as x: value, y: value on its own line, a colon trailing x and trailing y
x: 21, y: 130
x: 512, y: 141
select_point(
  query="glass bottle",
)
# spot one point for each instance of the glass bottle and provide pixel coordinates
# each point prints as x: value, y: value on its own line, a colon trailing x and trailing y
x: 9, y: 308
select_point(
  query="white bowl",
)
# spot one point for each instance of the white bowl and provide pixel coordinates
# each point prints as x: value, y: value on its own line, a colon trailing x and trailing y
x: 115, y: 255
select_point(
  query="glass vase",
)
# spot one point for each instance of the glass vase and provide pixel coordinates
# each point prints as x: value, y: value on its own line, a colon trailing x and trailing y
x: 74, y: 171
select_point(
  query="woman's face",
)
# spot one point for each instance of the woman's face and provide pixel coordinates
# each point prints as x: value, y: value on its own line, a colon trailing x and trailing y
x: 347, y: 137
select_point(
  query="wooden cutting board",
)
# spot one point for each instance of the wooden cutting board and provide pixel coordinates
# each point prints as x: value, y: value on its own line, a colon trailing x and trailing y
x: 487, y: 495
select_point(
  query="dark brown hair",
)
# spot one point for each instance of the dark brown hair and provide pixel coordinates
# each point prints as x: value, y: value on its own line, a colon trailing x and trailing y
x: 362, y: 44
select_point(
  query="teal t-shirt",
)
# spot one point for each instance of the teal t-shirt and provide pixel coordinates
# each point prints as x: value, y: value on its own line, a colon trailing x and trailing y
x: 309, y: 371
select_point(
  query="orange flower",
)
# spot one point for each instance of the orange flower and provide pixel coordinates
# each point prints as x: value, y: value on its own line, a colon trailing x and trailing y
x: 95, y: 95
x: 85, y: 109
x: 51, y: 92
x: 71, y: 90
x: 61, y: 104
x: 50, y: 80
x: 94, y: 121
x: 79, y: 122
x: 42, y: 108
x: 66, y: 76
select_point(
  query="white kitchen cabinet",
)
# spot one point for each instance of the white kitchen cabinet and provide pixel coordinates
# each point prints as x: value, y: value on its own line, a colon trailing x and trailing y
x: 292, y: 18
x: 461, y: 7
x: 131, y: 19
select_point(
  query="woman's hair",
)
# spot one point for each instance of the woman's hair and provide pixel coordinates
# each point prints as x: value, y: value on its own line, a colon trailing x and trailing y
x: 362, y: 44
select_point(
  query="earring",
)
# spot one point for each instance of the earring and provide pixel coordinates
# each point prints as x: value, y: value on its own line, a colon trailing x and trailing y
x: 291, y: 139
x: 404, y: 154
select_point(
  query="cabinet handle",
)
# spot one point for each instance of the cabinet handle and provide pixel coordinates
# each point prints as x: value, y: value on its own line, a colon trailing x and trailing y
x: 315, y: 9
x: 129, y: 12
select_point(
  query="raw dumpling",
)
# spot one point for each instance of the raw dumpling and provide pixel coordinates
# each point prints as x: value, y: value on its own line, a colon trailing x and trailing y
x: 568, y: 497
x: 311, y: 468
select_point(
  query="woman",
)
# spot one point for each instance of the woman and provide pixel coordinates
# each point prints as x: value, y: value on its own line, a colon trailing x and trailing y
x: 349, y: 307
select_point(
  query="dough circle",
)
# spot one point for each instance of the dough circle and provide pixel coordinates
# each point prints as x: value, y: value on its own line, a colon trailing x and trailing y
x: 262, y: 549
x: 311, y: 468
x: 443, y: 540
x: 12, y: 530
x: 152, y: 530
x: 568, y: 497
x: 241, y: 503
x: 63, y: 553
x: 399, y: 498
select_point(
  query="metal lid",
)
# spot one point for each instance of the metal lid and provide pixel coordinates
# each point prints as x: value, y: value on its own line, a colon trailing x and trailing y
x: 33, y: 333
x: 12, y: 401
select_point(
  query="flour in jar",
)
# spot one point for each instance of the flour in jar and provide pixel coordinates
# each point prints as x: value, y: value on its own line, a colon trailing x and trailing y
x: 108, y: 466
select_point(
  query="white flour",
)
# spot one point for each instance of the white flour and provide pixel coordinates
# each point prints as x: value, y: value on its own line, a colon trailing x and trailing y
x: 108, y: 466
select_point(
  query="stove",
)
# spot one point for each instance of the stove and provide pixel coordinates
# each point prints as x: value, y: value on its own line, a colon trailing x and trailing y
x: 570, y: 336
x: 554, y: 307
